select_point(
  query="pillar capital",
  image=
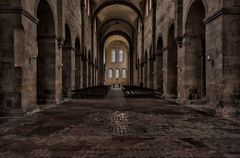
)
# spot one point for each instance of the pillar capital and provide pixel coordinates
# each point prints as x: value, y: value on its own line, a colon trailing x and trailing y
x: 179, y: 41
x: 60, y: 42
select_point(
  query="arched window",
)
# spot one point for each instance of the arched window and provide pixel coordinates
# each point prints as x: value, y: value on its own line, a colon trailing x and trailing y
x: 117, y: 74
x: 120, y: 56
x: 113, y: 56
x: 124, y: 73
x: 110, y: 73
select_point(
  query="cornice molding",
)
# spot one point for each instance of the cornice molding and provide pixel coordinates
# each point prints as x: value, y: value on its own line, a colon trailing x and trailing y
x: 19, y: 10
x: 222, y: 11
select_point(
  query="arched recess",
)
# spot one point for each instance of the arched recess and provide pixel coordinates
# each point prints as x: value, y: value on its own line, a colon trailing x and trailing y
x: 172, y: 60
x: 77, y: 64
x: 101, y: 55
x: 46, y: 60
x: 67, y: 64
x: 195, y: 51
x: 117, y: 47
x: 109, y: 3
x: 160, y: 64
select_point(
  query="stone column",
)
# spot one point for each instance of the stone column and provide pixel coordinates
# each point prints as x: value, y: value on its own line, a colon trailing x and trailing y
x: 69, y: 69
x: 223, y: 66
x: 141, y: 75
x: 78, y: 71
x: 151, y: 72
x: 59, y: 67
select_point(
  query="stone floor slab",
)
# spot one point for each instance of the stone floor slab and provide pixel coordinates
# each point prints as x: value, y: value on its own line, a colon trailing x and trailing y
x: 116, y: 127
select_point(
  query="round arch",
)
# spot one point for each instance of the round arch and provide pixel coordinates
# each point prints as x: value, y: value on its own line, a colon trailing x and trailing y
x: 109, y: 3
x: 112, y: 38
x: 117, y: 20
x: 190, y: 4
x: 36, y: 6
x: 116, y: 33
x: 101, y: 54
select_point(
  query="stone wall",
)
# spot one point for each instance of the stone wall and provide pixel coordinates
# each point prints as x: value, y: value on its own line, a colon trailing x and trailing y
x: 222, y: 72
x: 19, y: 68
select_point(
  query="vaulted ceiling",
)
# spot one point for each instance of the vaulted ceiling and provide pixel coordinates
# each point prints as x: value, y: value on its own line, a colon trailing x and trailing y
x: 117, y: 15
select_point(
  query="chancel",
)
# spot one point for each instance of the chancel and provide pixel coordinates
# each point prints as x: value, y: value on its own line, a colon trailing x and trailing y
x: 119, y: 78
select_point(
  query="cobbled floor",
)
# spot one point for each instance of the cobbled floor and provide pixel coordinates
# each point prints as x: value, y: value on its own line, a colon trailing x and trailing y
x: 116, y: 127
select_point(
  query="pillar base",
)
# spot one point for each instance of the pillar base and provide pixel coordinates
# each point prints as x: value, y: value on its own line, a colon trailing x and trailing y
x: 229, y: 108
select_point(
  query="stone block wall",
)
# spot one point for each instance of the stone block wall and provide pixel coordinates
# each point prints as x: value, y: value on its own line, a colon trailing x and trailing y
x: 19, y: 50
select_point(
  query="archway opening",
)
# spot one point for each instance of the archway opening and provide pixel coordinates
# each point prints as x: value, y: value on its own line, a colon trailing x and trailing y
x: 172, y: 60
x: 84, y: 73
x: 195, y: 51
x: 67, y: 64
x: 160, y: 65
x: 117, y: 61
x: 77, y: 64
x: 46, y: 59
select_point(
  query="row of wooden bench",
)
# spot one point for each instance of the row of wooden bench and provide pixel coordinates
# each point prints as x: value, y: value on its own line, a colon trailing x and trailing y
x: 91, y: 92
x: 138, y: 92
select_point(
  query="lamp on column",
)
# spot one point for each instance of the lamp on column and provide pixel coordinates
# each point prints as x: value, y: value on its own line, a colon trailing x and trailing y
x: 210, y: 60
x: 179, y: 67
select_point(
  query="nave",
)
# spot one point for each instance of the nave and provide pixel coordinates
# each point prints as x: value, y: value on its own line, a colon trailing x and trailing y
x: 116, y: 127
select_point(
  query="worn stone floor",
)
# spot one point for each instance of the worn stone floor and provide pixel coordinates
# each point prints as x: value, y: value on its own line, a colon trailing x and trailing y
x: 116, y: 127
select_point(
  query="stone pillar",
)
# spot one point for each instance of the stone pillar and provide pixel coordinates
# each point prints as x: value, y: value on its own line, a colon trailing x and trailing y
x: 93, y: 75
x: 96, y: 76
x: 78, y: 71
x: 89, y: 73
x: 155, y: 75
x: 145, y: 74
x: 81, y: 72
x: 59, y: 67
x: 69, y: 69
x: 86, y: 74
x: 151, y: 73
x: 11, y: 76
x: 141, y: 75
x: 181, y: 75
x: 223, y: 66
x: 164, y: 71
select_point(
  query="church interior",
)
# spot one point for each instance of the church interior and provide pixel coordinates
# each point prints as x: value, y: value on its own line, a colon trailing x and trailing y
x: 119, y: 78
